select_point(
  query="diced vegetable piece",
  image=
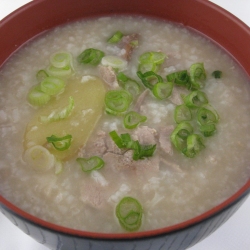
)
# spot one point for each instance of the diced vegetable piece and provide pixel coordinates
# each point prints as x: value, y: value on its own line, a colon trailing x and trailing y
x: 217, y: 74
x: 194, y: 145
x: 52, y: 85
x: 116, y: 37
x: 180, y: 134
x: 197, y: 75
x: 162, y: 90
x: 39, y: 158
x: 60, y: 143
x: 115, y: 62
x: 195, y: 99
x: 181, y: 78
x: 37, y: 97
x: 182, y: 113
x: 149, y: 79
x: 88, y: 108
x: 129, y: 213
x: 90, y: 164
x: 128, y: 84
x: 57, y: 115
x: 117, y: 101
x: 61, y: 59
x: 208, y: 129
x: 91, y: 56
x: 207, y: 115
x: 132, y: 119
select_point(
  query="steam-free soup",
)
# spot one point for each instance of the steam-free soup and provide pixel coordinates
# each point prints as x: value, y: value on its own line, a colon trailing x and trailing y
x: 66, y: 155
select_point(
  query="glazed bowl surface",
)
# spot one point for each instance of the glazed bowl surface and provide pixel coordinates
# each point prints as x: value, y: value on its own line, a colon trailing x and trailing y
x: 202, y: 16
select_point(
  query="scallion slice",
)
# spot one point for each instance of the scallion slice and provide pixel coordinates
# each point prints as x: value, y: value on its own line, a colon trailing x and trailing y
x: 60, y: 72
x: 91, y: 56
x: 182, y: 113
x: 217, y: 74
x: 61, y: 59
x: 116, y: 37
x: 149, y: 79
x: 129, y: 213
x: 60, y: 143
x: 132, y: 119
x: 117, y: 101
x: 41, y: 75
x: 52, y: 85
x: 61, y: 114
x: 115, y: 62
x: 151, y: 61
x: 207, y: 115
x: 208, y: 129
x: 128, y: 84
x: 195, y: 99
x: 197, y: 75
x: 194, y: 145
x: 90, y: 164
x: 37, y: 97
x: 180, y: 134
x: 162, y: 90
x: 39, y: 158
x: 181, y: 78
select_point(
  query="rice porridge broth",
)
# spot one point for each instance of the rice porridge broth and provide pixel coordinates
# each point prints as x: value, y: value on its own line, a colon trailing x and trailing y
x: 172, y: 190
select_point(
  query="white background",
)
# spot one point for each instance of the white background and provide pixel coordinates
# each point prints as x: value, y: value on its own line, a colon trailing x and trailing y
x: 233, y: 235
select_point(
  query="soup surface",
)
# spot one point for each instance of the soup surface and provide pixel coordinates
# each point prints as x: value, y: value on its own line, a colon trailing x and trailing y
x: 169, y: 186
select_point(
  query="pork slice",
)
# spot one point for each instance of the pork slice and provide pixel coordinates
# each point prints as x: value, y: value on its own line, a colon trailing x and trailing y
x: 140, y: 100
x: 96, y: 146
x: 108, y: 75
x: 145, y: 135
x: 176, y: 96
x: 164, y: 139
x: 128, y: 44
x: 171, y: 165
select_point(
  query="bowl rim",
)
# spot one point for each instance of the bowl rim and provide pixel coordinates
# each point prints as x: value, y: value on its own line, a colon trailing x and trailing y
x: 242, y: 192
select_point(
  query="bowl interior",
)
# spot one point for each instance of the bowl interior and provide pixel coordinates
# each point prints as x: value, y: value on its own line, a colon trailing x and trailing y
x: 203, y: 16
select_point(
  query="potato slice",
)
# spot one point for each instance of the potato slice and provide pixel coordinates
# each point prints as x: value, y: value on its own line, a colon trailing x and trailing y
x: 88, y: 107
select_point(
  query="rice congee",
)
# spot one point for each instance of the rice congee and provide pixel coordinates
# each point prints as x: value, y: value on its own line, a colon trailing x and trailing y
x: 122, y: 124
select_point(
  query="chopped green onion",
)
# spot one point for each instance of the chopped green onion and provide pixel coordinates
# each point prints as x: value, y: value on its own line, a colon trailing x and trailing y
x: 61, y: 59
x: 39, y: 158
x: 90, y: 164
x: 60, y: 143
x: 60, y: 72
x: 207, y: 115
x: 197, y: 75
x: 129, y: 213
x: 132, y: 119
x: 128, y: 84
x: 194, y: 145
x: 154, y: 57
x: 117, y: 101
x: 116, y: 37
x: 37, y: 97
x: 91, y: 56
x: 162, y: 90
x: 41, y: 75
x: 180, y: 78
x: 115, y: 62
x: 52, y: 85
x: 59, y: 115
x: 182, y: 113
x: 58, y: 166
x: 141, y: 151
x: 195, y: 99
x: 125, y: 141
x: 217, y: 74
x: 149, y: 79
x: 208, y: 129
x: 151, y: 61
x: 180, y: 134
x: 117, y: 139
